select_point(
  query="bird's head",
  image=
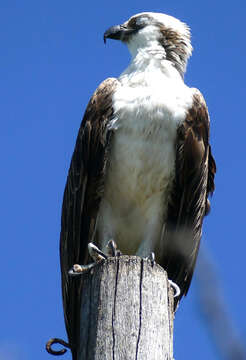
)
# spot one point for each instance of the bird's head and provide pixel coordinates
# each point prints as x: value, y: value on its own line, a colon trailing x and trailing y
x: 151, y: 31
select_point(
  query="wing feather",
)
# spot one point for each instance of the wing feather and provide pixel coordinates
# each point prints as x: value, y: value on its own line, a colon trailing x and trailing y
x: 188, y: 204
x: 82, y: 195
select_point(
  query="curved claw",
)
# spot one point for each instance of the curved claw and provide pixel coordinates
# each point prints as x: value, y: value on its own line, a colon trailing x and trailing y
x: 111, y: 245
x: 56, y: 341
x: 175, y: 287
x: 96, y: 254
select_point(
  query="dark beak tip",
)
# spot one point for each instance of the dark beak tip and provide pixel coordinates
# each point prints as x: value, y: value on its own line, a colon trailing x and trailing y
x: 114, y: 32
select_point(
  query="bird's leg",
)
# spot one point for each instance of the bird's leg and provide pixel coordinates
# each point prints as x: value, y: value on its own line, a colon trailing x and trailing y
x: 112, y: 249
x: 96, y: 254
x: 175, y: 288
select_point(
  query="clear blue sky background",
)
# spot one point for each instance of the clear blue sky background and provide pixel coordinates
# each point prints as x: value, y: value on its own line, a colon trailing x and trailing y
x: 52, y: 59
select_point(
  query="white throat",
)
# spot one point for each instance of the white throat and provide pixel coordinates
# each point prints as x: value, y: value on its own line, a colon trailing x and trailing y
x: 149, y: 57
x: 146, y: 42
x: 150, y: 65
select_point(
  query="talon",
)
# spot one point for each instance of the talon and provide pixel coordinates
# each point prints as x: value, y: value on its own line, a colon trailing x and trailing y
x: 80, y: 269
x: 175, y: 288
x: 96, y: 254
x: 112, y: 247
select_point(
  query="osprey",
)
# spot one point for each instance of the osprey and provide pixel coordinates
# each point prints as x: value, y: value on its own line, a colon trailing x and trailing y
x: 142, y: 167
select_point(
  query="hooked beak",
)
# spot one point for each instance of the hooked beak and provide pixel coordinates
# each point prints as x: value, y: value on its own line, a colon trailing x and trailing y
x: 117, y: 32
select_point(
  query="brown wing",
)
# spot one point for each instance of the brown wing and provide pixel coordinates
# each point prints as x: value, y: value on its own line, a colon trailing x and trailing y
x: 194, y: 181
x: 82, y: 197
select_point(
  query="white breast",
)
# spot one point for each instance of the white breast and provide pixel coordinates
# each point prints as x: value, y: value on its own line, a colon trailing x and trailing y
x: 148, y: 108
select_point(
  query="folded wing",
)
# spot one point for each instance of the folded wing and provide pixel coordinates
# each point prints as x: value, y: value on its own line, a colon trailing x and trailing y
x: 83, y: 192
x: 194, y: 181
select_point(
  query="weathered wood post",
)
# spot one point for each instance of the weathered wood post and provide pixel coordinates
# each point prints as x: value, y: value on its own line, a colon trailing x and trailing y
x: 126, y: 312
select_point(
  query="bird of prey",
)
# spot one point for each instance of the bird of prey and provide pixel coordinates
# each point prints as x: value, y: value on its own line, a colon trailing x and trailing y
x: 142, y: 168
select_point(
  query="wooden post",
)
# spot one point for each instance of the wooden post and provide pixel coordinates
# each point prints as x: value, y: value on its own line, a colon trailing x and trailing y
x: 126, y: 312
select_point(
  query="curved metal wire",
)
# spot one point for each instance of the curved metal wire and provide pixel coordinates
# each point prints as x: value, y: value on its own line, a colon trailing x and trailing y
x: 56, y: 341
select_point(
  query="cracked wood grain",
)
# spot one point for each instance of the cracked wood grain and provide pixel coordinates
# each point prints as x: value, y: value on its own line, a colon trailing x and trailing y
x: 126, y: 312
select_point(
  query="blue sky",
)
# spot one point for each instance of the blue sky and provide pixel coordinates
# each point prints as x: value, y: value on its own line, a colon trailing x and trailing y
x: 52, y: 59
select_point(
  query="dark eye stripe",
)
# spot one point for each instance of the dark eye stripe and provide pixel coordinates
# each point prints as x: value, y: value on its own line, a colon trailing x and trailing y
x: 132, y: 23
